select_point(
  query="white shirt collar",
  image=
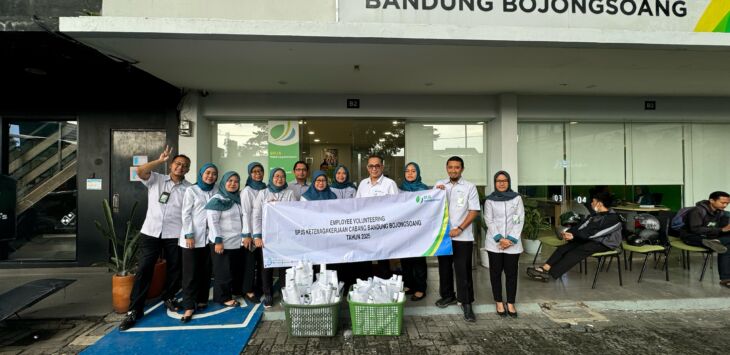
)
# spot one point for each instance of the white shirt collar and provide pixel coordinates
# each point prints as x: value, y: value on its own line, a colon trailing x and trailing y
x: 380, y: 179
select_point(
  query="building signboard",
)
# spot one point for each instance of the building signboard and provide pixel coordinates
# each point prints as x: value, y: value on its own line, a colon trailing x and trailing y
x: 629, y: 15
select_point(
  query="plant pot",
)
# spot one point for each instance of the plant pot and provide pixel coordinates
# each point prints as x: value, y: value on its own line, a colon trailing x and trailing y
x: 121, y: 290
x: 158, y: 279
x: 484, y: 257
x: 531, y: 246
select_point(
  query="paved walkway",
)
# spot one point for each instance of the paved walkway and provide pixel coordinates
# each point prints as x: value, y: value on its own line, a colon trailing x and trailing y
x: 612, y: 332
x: 651, y: 317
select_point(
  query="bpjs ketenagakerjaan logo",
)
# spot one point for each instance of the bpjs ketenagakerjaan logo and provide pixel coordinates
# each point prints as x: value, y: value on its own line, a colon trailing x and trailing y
x: 425, y: 198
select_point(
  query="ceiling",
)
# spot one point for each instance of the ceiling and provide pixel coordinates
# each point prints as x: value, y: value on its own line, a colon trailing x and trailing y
x: 219, y: 65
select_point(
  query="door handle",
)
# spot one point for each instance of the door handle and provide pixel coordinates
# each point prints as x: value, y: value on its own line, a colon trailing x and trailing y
x: 115, y: 203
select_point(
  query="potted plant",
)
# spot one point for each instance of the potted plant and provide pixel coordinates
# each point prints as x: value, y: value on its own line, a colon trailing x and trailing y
x: 123, y: 251
x: 533, y: 224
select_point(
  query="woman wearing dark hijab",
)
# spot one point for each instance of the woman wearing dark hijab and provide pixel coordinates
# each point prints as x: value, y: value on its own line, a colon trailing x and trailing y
x: 319, y: 190
x: 504, y: 215
x: 276, y: 192
x: 193, y: 241
x: 415, y: 271
x: 227, y: 226
x: 246, y: 266
x: 342, y: 186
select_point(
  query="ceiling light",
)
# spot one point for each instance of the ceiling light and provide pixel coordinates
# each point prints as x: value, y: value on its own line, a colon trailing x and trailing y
x: 395, y: 122
x: 387, y: 133
x: 316, y: 140
x: 573, y: 122
x: 381, y: 139
x: 311, y: 132
x: 480, y: 122
x: 301, y: 122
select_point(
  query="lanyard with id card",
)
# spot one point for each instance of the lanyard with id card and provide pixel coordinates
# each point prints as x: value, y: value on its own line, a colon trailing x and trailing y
x: 164, y: 197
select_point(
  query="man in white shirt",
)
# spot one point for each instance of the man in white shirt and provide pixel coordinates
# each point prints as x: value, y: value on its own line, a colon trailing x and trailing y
x: 463, y: 208
x: 160, y: 232
x: 376, y: 184
x: 299, y: 185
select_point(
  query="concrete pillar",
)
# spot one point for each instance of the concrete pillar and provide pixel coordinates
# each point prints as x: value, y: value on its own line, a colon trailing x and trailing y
x: 502, y: 141
x: 197, y: 147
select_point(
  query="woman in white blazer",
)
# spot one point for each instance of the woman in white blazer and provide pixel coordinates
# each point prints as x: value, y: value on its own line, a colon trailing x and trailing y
x: 194, y: 241
x: 504, y: 215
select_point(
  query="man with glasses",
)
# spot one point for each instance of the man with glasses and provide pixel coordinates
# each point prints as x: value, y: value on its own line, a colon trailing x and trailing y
x: 376, y: 184
x: 463, y: 208
x: 299, y: 185
x: 160, y: 232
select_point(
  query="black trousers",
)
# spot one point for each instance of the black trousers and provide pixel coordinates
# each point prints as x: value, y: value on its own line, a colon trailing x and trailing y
x: 195, y: 276
x: 415, y: 273
x: 237, y: 270
x: 148, y: 253
x: 223, y: 278
x: 569, y: 255
x: 251, y: 281
x: 459, y: 264
x: 508, y: 264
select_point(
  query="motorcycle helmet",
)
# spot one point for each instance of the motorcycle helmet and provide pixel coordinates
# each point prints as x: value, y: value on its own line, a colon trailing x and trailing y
x: 647, y: 221
x: 569, y: 218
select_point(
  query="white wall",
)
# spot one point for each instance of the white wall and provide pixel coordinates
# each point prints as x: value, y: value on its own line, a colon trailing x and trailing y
x: 446, y: 107
x: 287, y: 10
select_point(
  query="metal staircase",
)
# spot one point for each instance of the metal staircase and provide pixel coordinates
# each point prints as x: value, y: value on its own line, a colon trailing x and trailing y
x: 42, y: 161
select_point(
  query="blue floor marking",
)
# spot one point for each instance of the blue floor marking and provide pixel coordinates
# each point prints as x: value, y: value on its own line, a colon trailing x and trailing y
x: 224, y: 330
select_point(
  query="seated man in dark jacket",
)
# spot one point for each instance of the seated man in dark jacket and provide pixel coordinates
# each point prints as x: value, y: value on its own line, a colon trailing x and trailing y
x: 707, y: 225
x: 598, y: 233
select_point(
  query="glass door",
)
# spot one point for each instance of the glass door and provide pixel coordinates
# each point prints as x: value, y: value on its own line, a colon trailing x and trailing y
x: 42, y: 159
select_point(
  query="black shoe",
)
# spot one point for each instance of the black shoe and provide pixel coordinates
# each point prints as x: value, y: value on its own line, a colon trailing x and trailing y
x: 409, y: 291
x: 232, y: 304
x: 504, y: 311
x: 186, y: 319
x: 415, y: 298
x: 172, y: 305
x: 251, y: 299
x: 511, y: 314
x: 268, y: 301
x: 468, y: 312
x: 445, y: 302
x: 201, y: 306
x: 714, y: 245
x: 538, y: 274
x: 129, y: 321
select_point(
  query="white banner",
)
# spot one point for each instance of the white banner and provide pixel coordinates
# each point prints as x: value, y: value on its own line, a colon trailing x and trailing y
x: 632, y: 15
x: 409, y: 224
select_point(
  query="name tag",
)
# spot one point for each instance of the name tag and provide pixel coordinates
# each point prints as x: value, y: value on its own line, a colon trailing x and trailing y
x: 164, y: 197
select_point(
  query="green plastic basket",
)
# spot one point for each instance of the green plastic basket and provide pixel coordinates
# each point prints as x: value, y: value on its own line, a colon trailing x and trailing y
x: 312, y: 320
x: 376, y: 319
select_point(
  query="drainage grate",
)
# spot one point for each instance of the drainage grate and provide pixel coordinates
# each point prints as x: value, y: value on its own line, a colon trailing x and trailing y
x: 572, y: 313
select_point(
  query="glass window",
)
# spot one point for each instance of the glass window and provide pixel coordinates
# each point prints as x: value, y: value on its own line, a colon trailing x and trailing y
x: 540, y: 153
x: 595, y: 154
x: 237, y: 144
x: 431, y: 144
x: 42, y: 158
x: 654, y: 155
x: 708, y: 168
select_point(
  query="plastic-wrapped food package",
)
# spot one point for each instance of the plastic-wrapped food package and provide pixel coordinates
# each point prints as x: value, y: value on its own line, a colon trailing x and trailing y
x: 378, y: 291
x: 301, y: 290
